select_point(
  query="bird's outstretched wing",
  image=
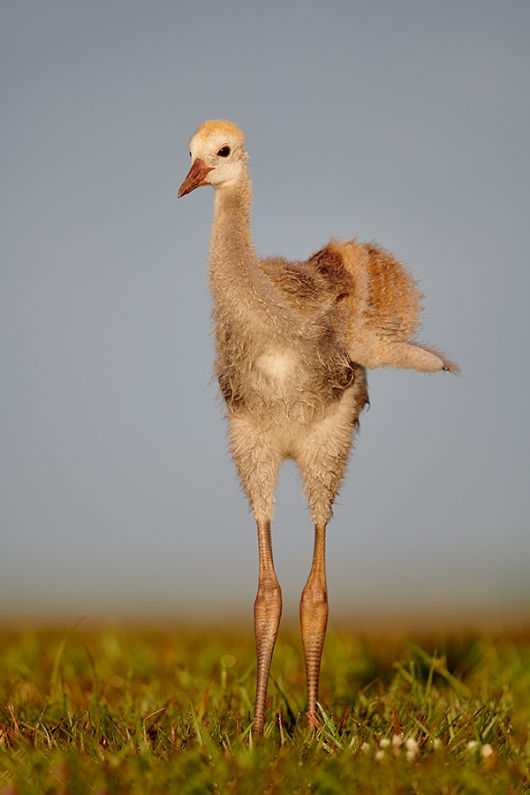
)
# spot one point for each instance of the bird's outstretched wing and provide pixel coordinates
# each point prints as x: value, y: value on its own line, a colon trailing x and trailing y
x: 384, y: 310
x: 376, y: 302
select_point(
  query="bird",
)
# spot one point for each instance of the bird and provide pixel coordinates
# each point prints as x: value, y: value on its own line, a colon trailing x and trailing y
x: 293, y: 341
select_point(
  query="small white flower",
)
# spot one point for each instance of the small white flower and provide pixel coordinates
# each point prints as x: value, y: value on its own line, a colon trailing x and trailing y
x: 385, y: 742
x: 379, y: 755
x: 472, y: 745
x: 412, y: 748
x: 365, y: 747
x: 486, y: 750
x: 397, y: 741
x: 437, y: 744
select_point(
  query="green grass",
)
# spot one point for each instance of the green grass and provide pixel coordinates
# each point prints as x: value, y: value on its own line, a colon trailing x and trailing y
x: 115, y: 711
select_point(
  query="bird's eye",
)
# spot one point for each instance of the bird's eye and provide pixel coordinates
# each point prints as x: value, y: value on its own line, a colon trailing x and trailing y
x: 224, y: 151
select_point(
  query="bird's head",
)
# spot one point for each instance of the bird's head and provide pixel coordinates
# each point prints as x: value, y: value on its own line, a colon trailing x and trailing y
x: 217, y: 156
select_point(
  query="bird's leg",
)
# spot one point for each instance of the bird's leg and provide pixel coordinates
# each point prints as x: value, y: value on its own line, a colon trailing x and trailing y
x: 267, y: 613
x: 314, y: 618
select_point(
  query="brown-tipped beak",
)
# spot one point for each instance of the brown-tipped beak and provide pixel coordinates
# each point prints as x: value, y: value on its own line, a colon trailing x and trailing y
x: 195, y: 178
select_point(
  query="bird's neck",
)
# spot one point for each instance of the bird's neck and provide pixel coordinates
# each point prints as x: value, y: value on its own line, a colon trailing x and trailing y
x: 232, y: 249
x: 240, y: 289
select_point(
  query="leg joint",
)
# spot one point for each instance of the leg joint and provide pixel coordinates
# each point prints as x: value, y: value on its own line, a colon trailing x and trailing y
x: 314, y: 596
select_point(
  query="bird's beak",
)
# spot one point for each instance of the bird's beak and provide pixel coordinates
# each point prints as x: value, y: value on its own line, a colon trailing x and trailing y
x: 195, y: 178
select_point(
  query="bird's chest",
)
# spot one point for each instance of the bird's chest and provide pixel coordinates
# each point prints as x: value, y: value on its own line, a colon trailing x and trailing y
x: 278, y: 376
x: 283, y: 376
x: 270, y: 379
x: 281, y: 387
x: 277, y: 368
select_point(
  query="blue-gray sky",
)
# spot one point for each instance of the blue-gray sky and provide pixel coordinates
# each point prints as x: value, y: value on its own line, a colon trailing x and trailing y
x: 407, y: 123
